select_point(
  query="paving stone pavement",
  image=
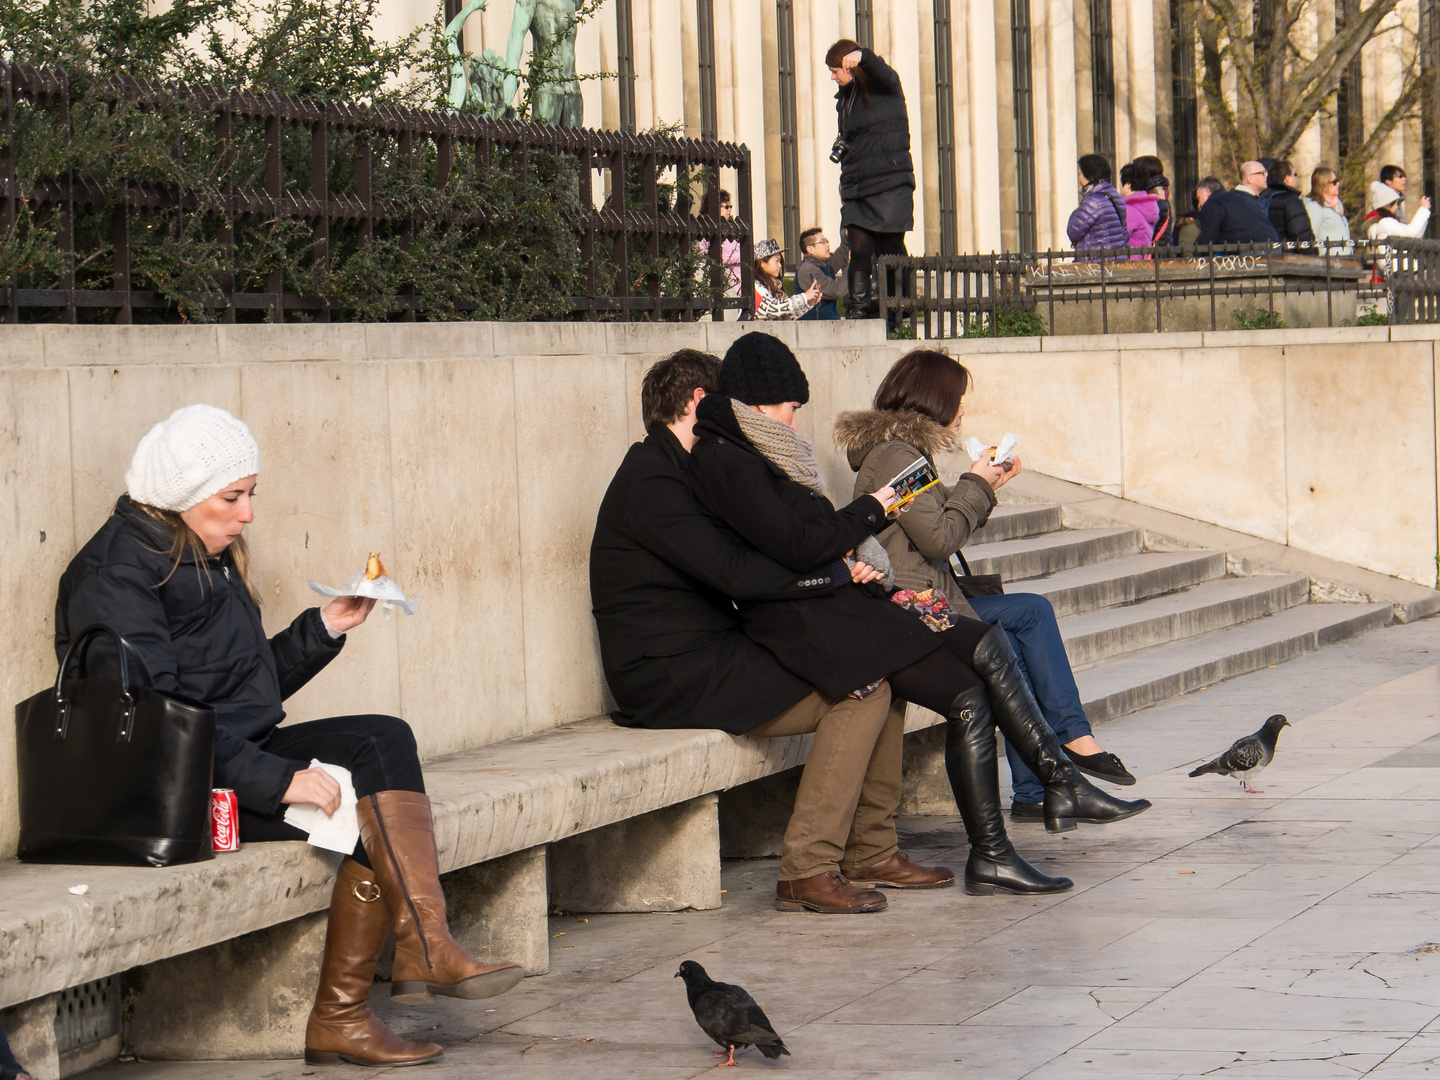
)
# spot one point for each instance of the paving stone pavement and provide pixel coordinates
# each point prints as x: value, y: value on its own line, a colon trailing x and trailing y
x: 1288, y: 934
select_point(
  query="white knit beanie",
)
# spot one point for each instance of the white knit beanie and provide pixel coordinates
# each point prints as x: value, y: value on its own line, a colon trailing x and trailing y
x: 189, y: 456
x: 1382, y: 195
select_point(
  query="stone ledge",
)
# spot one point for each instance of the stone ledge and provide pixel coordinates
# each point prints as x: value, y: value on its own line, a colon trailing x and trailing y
x: 1330, y: 579
x: 489, y: 802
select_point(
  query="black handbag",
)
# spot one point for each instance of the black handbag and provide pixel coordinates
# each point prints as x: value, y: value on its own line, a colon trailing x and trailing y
x: 973, y: 585
x: 113, y: 773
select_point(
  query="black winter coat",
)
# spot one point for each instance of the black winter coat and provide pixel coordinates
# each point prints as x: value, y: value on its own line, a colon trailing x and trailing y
x: 661, y: 578
x: 200, y: 635
x: 836, y: 643
x: 1234, y: 217
x: 877, y: 132
x: 1288, y: 215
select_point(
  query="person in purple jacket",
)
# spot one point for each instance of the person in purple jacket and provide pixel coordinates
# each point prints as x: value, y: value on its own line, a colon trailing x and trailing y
x: 1100, y: 220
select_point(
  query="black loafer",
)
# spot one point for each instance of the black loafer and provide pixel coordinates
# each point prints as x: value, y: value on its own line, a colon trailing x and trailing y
x: 1025, y: 811
x: 1102, y: 766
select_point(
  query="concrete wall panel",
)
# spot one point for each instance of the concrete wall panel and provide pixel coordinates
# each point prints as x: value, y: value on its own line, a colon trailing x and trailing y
x: 1376, y: 508
x: 37, y: 538
x: 324, y: 500
x: 457, y: 546
x: 1232, y: 401
x: 571, y: 431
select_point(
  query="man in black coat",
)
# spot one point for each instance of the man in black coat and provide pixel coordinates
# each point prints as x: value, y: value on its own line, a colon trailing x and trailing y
x: 675, y: 655
x: 1238, y: 217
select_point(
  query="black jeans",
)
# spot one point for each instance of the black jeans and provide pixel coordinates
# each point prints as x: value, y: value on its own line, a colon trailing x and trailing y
x: 378, y: 750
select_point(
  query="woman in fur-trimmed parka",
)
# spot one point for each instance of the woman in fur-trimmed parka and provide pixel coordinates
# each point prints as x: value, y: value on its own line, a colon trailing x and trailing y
x: 917, y: 413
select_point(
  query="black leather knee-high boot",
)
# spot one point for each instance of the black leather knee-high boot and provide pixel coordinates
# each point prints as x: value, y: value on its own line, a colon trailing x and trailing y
x: 994, y: 864
x: 859, y: 304
x: 1069, y: 797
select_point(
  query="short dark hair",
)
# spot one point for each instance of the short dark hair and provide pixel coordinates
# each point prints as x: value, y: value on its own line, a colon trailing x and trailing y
x: 669, y: 384
x: 1389, y: 172
x: 925, y: 381
x: 1133, y: 175
x: 808, y: 235
x: 1276, y: 174
x: 1150, y: 167
x: 1094, y: 168
x: 725, y: 197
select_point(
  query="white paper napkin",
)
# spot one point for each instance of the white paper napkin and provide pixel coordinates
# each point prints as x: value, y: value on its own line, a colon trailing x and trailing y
x: 339, y: 832
x: 1004, y: 450
x: 382, y: 589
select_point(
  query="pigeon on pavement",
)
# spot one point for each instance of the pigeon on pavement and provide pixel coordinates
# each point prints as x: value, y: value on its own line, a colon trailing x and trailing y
x: 1247, y: 756
x: 728, y: 1014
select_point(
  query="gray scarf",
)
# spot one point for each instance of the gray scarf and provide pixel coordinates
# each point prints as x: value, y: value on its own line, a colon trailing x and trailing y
x: 795, y: 456
x: 783, y: 445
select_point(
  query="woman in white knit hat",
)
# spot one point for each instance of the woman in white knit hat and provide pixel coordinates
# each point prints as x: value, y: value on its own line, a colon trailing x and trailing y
x: 170, y: 572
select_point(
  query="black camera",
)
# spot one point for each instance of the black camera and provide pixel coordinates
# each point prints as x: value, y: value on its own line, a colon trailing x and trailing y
x: 838, y: 149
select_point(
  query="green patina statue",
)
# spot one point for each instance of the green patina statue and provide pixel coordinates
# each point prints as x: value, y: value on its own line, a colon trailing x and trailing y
x: 490, y: 83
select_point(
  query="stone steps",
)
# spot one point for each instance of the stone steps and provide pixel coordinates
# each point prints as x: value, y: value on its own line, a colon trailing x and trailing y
x: 1143, y: 626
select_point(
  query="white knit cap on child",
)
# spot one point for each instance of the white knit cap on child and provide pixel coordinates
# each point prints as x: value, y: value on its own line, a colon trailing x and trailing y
x: 189, y: 456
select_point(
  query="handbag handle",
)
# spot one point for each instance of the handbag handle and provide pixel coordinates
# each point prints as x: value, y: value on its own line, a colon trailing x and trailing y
x: 78, y: 650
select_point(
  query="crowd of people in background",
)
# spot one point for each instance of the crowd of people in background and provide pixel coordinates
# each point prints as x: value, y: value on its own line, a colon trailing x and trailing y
x: 1267, y: 206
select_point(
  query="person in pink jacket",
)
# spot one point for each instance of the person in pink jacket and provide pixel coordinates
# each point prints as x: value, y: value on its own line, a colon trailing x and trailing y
x: 1142, y: 209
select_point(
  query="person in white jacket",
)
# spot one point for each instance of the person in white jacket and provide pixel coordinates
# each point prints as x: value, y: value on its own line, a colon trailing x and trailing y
x: 1388, y: 223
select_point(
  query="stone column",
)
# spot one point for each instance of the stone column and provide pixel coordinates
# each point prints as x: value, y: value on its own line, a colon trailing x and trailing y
x: 748, y: 48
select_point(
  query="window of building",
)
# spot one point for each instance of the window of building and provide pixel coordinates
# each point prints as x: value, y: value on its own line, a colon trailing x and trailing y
x: 789, y: 128
x: 1349, y: 98
x: 625, y: 61
x: 1186, y: 122
x: 945, y: 128
x: 1023, y: 91
x: 1102, y: 79
x: 705, y: 29
x: 864, y: 24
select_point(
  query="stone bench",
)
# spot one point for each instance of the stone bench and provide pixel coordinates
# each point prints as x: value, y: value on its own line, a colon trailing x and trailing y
x: 221, y: 956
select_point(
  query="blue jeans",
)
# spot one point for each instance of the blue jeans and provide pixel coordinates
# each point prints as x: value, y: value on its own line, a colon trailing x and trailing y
x: 9, y: 1067
x: 1029, y: 621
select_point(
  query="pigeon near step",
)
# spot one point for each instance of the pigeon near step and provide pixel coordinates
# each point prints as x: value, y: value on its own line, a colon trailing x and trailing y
x: 728, y: 1014
x: 1247, y: 756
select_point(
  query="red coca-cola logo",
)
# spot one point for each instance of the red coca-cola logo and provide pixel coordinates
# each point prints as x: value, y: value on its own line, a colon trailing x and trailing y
x: 222, y: 823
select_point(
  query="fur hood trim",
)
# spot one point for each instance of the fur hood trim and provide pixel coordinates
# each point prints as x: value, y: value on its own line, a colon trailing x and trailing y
x: 859, y: 432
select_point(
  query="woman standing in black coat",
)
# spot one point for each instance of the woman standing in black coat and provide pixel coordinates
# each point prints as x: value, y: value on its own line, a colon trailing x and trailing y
x: 169, y: 571
x: 1287, y: 209
x: 877, y: 175
x: 759, y: 478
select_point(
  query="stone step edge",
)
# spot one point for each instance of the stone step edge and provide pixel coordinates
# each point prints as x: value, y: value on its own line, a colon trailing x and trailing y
x: 1331, y: 580
x: 1198, y: 568
x: 1155, y: 691
x: 1281, y: 593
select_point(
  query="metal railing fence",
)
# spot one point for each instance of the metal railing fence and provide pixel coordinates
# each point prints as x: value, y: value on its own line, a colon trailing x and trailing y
x: 341, y: 176
x: 1392, y: 281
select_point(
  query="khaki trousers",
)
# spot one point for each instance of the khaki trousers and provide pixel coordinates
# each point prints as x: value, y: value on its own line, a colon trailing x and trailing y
x: 850, y: 786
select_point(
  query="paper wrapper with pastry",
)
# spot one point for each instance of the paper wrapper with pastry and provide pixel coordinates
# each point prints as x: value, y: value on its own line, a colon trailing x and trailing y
x: 372, y: 582
x: 999, y: 453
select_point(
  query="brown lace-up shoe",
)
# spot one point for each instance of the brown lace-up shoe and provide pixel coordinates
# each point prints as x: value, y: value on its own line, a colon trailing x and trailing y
x: 898, y: 872
x: 828, y: 893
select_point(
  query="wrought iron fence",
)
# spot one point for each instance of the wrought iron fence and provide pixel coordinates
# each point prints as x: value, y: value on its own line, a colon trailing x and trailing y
x: 1166, y: 288
x: 339, y: 174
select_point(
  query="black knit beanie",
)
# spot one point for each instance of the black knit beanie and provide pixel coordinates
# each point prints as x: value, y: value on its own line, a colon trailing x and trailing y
x: 761, y: 370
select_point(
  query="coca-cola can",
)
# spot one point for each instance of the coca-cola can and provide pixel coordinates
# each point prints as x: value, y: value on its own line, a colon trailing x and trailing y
x: 224, y: 820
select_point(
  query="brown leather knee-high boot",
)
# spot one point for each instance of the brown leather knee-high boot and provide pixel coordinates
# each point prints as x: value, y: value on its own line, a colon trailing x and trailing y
x: 341, y: 1028
x: 399, y: 837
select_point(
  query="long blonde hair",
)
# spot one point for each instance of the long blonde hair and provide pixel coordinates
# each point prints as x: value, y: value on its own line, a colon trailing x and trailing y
x: 184, y: 542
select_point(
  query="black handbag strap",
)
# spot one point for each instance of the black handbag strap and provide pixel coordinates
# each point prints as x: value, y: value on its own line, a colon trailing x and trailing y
x: 78, y: 651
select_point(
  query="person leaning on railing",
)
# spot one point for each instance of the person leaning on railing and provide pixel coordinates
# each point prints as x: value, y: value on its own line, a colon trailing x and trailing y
x: 771, y: 300
x: 1100, y: 221
x: 1327, y: 213
x: 169, y: 572
x: 1237, y: 216
x: 1187, y: 230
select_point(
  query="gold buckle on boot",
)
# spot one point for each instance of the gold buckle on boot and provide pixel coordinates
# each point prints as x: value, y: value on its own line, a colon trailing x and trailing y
x: 371, y: 894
